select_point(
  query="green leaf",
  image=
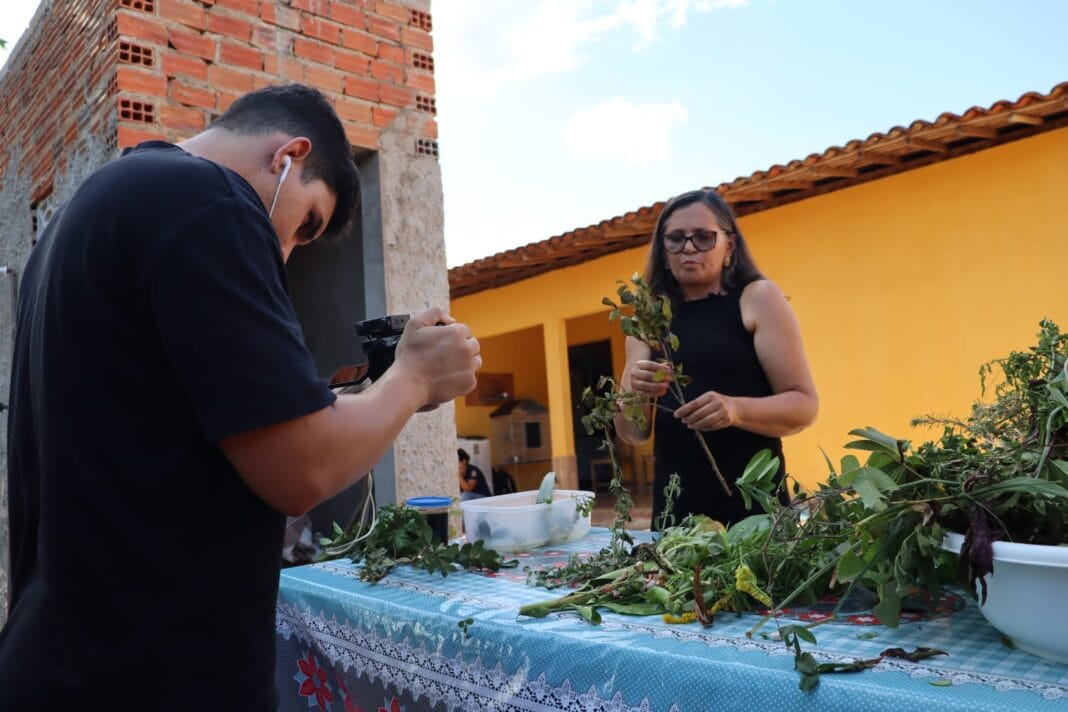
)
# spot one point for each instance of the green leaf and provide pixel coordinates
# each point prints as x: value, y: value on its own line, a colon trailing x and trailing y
x: 941, y: 682
x: 589, y: 613
x: 874, y: 436
x: 871, y: 485
x: 806, y: 664
x: 809, y: 682
x: 536, y: 611
x: 888, y: 610
x: 673, y: 341
x: 1028, y: 485
x: 850, y: 566
x: 645, y: 608
x: 867, y: 636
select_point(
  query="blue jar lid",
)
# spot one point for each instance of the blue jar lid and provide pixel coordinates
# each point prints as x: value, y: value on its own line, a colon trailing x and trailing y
x: 429, y: 502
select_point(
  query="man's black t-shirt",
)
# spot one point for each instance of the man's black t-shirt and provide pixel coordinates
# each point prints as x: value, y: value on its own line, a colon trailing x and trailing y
x: 154, y: 320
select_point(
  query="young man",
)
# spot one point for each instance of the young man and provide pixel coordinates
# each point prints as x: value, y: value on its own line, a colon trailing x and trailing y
x: 166, y: 415
x: 472, y: 482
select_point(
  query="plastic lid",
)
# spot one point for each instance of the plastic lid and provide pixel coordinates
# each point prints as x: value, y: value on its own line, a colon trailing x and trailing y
x: 429, y: 502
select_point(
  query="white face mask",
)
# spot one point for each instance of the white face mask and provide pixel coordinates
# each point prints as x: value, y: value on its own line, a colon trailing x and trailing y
x: 286, y: 163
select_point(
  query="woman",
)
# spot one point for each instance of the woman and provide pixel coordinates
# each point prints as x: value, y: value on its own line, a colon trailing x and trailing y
x: 740, y: 343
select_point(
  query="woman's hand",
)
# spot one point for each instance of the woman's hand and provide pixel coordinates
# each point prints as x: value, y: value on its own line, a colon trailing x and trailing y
x: 644, y: 378
x: 708, y: 411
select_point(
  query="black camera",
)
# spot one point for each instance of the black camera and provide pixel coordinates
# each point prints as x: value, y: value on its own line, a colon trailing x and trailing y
x: 380, y: 337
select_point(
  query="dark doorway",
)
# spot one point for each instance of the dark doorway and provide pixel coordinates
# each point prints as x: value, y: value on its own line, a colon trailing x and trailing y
x: 587, y: 364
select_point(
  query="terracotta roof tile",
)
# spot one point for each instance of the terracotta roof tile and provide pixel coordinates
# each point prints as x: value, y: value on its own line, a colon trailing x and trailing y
x: 858, y: 161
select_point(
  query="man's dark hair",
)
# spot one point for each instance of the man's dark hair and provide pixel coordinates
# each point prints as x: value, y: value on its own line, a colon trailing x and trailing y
x: 462, y: 454
x: 300, y: 110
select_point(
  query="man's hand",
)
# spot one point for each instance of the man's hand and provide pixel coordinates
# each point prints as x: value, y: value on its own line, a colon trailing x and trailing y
x: 708, y: 411
x: 440, y: 354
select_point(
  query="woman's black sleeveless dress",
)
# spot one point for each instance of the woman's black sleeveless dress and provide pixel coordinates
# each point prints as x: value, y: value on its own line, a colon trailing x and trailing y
x: 717, y: 352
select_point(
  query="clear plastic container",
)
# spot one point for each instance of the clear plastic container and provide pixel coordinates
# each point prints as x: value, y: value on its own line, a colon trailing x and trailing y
x: 513, y: 522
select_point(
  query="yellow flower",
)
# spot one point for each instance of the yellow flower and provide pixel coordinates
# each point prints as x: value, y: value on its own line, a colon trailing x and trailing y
x: 745, y: 581
x: 723, y: 603
x: 687, y: 617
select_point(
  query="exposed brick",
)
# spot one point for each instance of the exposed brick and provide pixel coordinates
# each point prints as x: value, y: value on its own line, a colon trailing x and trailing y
x: 141, y: 82
x: 396, y: 96
x: 192, y: 96
x: 314, y: 51
x: 259, y: 81
x: 429, y: 129
x: 185, y: 12
x: 348, y: 15
x: 353, y: 109
x: 387, y: 72
x: 383, y: 27
x: 270, y: 39
x: 225, y: 100
x: 359, y: 41
x: 281, y: 16
x: 320, y: 29
x: 383, y: 116
x: 362, y: 88
x: 191, y: 43
x: 398, y: 13
x: 290, y: 68
x: 231, y: 80
x: 230, y: 26
x: 421, y: 82
x: 351, y: 62
x: 417, y: 39
x: 129, y: 136
x: 361, y: 136
x: 316, y: 7
x: 184, y: 119
x: 240, y: 55
x: 182, y: 65
x: 143, y: 28
x: 324, y: 78
x: 392, y: 53
x: 247, y: 7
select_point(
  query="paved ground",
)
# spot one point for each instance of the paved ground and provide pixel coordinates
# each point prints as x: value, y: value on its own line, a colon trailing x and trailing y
x: 604, y: 509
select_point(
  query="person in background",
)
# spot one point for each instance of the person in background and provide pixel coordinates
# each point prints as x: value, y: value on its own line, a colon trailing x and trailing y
x: 472, y: 482
x: 740, y: 343
x: 166, y: 415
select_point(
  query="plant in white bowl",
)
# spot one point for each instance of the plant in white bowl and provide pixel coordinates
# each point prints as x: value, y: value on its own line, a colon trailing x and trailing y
x: 991, y: 489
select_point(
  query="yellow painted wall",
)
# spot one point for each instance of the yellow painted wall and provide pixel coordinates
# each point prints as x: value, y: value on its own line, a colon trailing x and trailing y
x: 520, y: 353
x: 903, y: 286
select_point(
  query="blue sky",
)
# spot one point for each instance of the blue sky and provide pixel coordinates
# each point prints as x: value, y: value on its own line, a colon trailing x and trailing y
x: 556, y: 114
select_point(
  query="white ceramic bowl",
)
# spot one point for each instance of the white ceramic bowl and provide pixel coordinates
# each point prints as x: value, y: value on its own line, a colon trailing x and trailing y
x: 1025, y: 595
x: 513, y: 522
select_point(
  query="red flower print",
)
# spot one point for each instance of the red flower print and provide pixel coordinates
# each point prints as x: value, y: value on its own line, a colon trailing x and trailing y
x: 346, y: 696
x: 312, y: 679
x: 394, y: 706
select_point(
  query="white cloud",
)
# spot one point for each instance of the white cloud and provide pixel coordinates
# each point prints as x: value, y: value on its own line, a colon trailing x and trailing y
x: 638, y: 133
x: 483, y: 44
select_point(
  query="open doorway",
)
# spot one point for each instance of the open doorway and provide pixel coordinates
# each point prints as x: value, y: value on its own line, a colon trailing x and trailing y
x: 587, y: 363
x: 332, y: 286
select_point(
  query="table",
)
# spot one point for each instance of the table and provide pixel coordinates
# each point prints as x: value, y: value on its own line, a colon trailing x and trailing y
x: 396, y: 646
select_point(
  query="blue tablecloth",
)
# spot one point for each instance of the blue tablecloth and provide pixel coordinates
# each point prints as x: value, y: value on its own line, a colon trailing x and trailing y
x: 396, y: 646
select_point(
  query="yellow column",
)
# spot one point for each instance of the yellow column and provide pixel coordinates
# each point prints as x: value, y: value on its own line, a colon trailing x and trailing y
x: 558, y: 379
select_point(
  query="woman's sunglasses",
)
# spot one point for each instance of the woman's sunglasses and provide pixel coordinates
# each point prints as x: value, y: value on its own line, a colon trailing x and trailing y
x: 703, y: 240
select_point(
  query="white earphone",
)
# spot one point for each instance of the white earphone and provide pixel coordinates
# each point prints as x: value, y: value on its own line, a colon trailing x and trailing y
x: 287, y: 163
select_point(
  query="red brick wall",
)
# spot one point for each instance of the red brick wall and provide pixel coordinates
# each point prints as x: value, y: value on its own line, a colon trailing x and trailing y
x: 54, y: 88
x: 144, y: 69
